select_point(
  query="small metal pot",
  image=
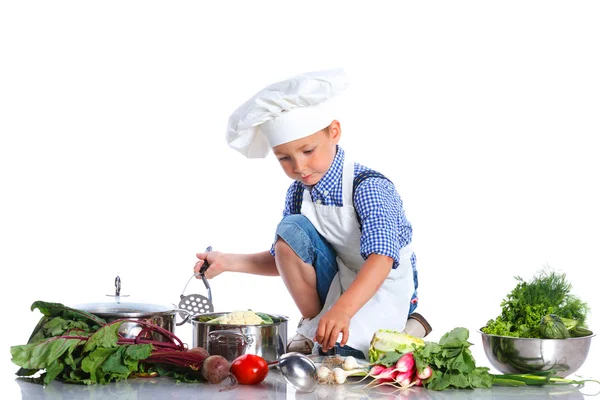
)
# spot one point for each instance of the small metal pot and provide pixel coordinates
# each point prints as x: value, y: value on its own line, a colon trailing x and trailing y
x: 231, y: 341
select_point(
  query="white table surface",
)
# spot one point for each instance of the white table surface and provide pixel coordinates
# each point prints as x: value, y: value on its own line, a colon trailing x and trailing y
x: 275, y: 387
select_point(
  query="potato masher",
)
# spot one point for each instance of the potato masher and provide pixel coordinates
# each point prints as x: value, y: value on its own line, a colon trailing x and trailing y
x: 195, y: 304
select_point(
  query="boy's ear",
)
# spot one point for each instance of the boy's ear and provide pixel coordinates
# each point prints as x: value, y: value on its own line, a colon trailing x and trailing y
x: 335, y: 130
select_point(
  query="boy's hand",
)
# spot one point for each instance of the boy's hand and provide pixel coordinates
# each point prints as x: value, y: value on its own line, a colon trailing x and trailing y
x: 331, y: 324
x: 215, y: 261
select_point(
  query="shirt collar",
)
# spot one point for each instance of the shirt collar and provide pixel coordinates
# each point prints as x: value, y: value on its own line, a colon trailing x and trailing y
x: 332, y: 176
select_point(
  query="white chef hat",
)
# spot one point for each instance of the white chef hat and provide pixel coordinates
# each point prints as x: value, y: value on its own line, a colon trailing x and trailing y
x: 285, y: 111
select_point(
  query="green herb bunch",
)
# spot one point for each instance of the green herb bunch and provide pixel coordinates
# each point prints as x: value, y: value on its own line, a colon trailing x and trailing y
x: 528, y: 303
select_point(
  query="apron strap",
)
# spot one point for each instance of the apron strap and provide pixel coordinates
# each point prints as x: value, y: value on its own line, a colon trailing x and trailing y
x: 296, y: 204
x: 360, y: 178
x: 347, y: 177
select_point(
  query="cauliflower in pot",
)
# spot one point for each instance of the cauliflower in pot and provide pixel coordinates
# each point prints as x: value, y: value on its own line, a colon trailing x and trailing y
x: 242, y: 318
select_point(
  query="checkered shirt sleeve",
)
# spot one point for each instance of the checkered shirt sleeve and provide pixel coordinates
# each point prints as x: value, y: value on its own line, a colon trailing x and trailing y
x: 385, y: 229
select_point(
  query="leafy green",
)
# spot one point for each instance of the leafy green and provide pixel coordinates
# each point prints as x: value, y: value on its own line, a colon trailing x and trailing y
x: 92, y: 364
x: 265, y: 317
x: 60, y: 310
x: 112, y: 364
x: 452, y: 363
x: 390, y: 358
x: 107, y: 337
x: 94, y: 359
x: 203, y: 318
x: 528, y: 303
x: 40, y: 355
x: 58, y: 319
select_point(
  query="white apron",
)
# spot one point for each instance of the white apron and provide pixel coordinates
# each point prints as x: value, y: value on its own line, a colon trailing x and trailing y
x: 388, y: 308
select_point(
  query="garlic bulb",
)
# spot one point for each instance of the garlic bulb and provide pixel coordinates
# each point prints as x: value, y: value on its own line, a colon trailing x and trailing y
x: 323, y: 372
x: 340, y: 375
x: 350, y: 363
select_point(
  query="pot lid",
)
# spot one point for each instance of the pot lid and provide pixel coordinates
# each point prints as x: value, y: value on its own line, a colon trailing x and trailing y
x: 122, y: 305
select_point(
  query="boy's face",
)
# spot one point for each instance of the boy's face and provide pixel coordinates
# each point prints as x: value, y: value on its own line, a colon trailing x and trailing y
x: 309, y: 158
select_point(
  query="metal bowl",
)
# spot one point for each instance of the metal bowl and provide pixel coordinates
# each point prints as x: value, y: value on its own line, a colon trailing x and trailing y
x: 511, y: 355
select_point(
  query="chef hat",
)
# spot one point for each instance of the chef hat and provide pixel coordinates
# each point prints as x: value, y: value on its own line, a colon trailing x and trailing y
x: 285, y: 111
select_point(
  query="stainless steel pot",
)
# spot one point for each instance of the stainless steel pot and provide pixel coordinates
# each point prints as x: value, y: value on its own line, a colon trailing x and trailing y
x: 231, y: 341
x: 112, y: 310
x: 162, y: 316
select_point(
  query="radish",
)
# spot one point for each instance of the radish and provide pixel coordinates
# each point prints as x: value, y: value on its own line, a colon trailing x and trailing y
x: 387, y: 375
x: 426, y: 373
x: 404, y: 379
x: 405, y: 363
x: 376, y: 370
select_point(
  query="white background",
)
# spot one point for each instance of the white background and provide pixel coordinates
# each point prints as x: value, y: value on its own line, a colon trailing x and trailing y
x: 113, y: 159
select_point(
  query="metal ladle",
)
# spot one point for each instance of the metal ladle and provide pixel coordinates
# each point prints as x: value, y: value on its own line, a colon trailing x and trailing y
x: 298, y: 370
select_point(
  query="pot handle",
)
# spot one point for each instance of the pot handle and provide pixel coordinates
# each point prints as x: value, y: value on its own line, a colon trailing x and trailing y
x: 187, y: 316
x: 215, y: 336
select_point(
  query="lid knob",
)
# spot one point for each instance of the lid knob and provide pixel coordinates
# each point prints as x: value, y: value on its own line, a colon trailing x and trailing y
x: 117, y: 286
x: 117, y: 294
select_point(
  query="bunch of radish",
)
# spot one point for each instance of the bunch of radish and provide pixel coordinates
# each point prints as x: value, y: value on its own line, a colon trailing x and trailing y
x: 402, y: 374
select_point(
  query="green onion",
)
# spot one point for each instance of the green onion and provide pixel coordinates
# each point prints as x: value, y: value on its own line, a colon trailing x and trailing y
x: 535, y: 379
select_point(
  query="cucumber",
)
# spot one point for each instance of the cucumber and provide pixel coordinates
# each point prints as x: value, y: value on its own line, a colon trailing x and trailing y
x: 580, y: 331
x: 552, y: 327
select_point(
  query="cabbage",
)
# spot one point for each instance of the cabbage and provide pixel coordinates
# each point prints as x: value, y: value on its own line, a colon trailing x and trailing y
x: 385, y: 340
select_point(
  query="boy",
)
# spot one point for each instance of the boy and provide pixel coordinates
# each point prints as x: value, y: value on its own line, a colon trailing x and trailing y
x: 343, y: 247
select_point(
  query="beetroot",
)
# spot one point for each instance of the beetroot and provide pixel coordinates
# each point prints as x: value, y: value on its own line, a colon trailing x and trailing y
x: 200, y: 350
x: 215, y: 369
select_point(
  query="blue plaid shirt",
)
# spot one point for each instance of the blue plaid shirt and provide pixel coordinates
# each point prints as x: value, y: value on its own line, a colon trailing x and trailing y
x: 385, y: 229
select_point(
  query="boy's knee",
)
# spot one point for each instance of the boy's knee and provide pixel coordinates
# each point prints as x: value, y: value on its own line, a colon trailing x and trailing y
x: 293, y: 236
x: 294, y: 221
x: 282, y: 247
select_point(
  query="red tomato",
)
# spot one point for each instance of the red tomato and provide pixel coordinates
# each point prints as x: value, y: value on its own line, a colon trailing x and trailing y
x: 249, y: 369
